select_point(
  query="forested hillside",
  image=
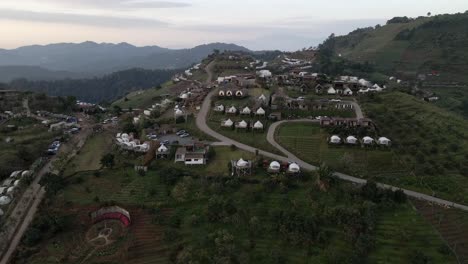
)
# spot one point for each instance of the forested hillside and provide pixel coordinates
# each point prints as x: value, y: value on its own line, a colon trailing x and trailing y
x: 107, y: 88
x: 435, y: 46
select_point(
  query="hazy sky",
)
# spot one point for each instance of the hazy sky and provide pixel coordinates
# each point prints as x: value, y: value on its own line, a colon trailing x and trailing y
x: 257, y: 24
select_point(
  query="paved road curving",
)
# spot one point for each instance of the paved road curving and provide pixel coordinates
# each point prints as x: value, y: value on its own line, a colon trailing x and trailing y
x: 290, y: 157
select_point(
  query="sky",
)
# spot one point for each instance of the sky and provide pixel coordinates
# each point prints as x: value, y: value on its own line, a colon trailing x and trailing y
x: 256, y: 24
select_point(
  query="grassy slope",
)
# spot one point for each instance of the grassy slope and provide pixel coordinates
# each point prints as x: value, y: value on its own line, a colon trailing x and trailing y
x: 309, y: 142
x: 143, y: 99
x: 431, y: 141
x: 441, y: 47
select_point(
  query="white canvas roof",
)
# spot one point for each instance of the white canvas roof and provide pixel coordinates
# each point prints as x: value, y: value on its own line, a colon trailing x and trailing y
x: 228, y: 122
x: 260, y: 111
x: 351, y: 139
x: 293, y: 167
x: 275, y: 165
x: 179, y: 112
x: 246, y: 110
x: 162, y: 148
x: 262, y: 97
x: 232, y: 109
x: 4, y: 200
x: 242, y: 163
x: 258, y: 124
x: 242, y: 124
x: 368, y: 140
x: 335, y: 139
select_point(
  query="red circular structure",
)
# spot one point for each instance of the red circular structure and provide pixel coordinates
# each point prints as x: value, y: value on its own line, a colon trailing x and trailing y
x: 112, y: 213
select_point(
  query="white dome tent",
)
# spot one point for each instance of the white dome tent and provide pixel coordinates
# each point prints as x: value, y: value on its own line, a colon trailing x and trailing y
x: 275, y: 166
x: 367, y: 141
x: 242, y: 163
x: 383, y: 141
x: 179, y: 112
x: 4, y: 200
x: 294, y: 168
x: 335, y: 139
x: 351, y: 140
x: 258, y: 125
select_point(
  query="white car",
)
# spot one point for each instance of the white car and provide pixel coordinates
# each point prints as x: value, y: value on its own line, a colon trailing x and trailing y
x: 335, y: 100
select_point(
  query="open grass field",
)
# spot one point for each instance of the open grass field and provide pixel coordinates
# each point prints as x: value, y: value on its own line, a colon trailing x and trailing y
x: 309, y: 142
x: 432, y: 142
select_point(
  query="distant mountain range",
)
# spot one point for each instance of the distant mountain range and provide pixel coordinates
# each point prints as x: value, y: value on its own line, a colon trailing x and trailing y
x: 90, y: 59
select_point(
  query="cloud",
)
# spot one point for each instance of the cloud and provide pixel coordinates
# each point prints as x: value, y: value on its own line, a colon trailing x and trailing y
x: 79, y: 19
x: 120, y: 4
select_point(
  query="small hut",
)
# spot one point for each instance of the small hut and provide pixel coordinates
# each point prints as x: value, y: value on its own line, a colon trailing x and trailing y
x: 232, y: 110
x: 219, y: 108
x: 227, y: 123
x: 162, y: 152
x: 242, y: 125
x: 246, y: 111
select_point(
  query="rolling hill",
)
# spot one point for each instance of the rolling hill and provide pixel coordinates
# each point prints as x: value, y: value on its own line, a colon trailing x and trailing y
x: 407, y: 47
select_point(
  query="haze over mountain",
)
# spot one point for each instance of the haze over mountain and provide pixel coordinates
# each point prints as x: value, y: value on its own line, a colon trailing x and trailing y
x: 88, y: 59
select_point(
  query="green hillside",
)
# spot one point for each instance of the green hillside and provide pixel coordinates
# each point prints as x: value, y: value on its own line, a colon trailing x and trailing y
x: 408, y: 47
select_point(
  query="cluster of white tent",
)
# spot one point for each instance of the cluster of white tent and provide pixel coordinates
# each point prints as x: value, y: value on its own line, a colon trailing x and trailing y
x: 275, y: 167
x: 242, y: 124
x: 127, y: 142
x: 352, y: 140
x: 245, y: 111
x: 374, y: 88
x: 10, y: 185
x: 264, y: 74
x: 163, y: 105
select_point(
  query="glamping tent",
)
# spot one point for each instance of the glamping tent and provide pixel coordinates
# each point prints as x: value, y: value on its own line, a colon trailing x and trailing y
x: 274, y: 167
x: 258, y: 125
x: 219, y: 108
x: 246, y: 111
x: 294, y: 168
x: 163, y: 149
x: 367, y: 141
x: 242, y: 124
x: 335, y: 139
x: 351, y: 140
x: 331, y: 90
x: 347, y: 91
x: 262, y: 98
x: 242, y: 163
x: 178, y: 113
x: 228, y: 123
x: 384, y: 141
x: 232, y: 110
x: 4, y: 200
x: 260, y: 111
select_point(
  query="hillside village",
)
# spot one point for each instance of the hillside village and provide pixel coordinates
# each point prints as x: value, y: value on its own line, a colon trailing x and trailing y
x: 232, y: 120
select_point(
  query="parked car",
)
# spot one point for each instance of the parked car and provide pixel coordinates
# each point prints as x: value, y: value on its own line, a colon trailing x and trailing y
x: 335, y: 100
x: 185, y: 135
x: 181, y: 132
x: 166, y: 142
x: 175, y: 142
x: 301, y: 98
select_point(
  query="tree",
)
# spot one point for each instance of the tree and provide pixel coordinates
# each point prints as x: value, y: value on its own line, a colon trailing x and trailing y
x: 52, y: 183
x: 108, y: 160
x: 429, y: 14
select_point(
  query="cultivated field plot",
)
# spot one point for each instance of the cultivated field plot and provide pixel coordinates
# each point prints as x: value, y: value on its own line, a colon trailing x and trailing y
x: 452, y: 224
x: 309, y: 142
x: 401, y: 233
